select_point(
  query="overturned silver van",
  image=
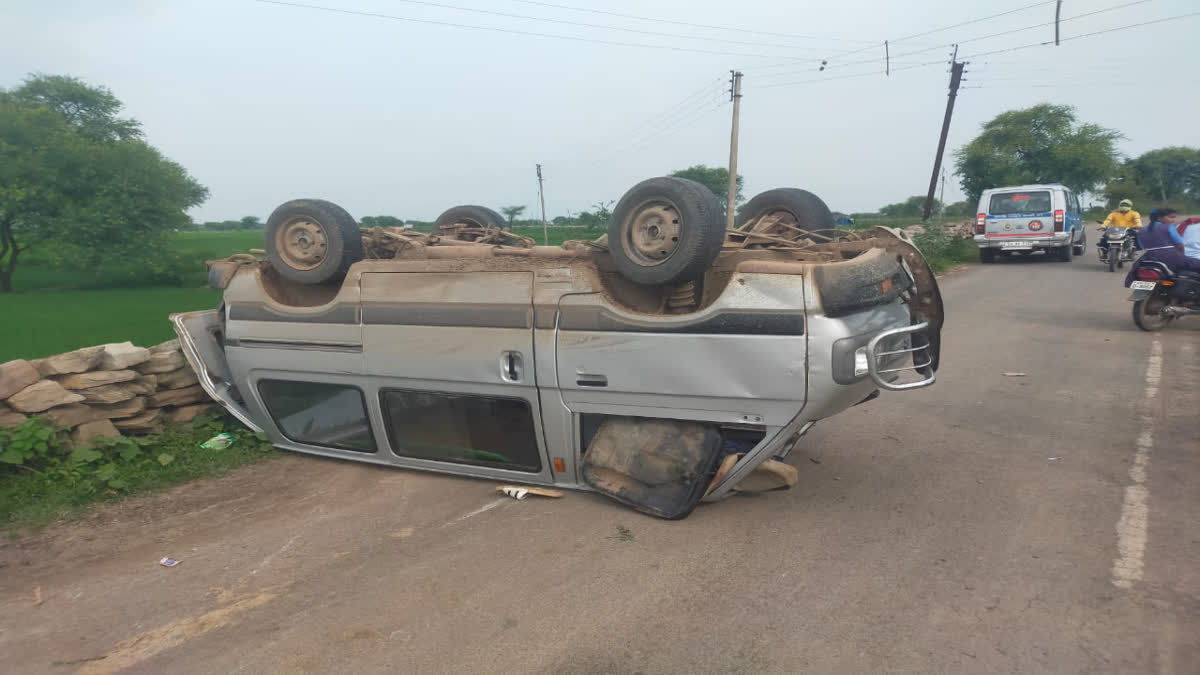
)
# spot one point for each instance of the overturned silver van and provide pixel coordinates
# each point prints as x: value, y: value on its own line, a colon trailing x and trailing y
x: 660, y: 365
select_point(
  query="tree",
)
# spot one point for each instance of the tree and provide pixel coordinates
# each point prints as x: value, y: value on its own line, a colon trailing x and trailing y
x: 961, y: 209
x: 597, y: 219
x: 1169, y: 173
x: 92, y: 111
x: 913, y: 207
x: 1041, y: 144
x: 250, y: 223
x: 511, y: 212
x: 80, y: 183
x: 381, y: 221
x: 715, y: 179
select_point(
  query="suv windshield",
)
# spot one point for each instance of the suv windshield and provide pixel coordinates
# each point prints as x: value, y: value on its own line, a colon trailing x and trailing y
x: 1018, y: 203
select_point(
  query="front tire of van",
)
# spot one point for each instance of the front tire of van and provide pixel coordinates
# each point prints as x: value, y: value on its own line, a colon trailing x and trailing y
x: 312, y: 241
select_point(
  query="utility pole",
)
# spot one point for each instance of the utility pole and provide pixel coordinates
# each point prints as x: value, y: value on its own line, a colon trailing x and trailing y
x: 542, y: 198
x: 1057, y: 18
x: 735, y: 95
x: 956, y: 72
x: 942, y: 196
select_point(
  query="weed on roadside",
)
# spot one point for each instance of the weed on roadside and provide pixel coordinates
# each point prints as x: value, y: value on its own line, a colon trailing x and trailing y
x: 42, y: 479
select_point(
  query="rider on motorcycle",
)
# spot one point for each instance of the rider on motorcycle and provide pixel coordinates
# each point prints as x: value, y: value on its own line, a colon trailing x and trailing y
x: 1163, y: 243
x: 1125, y: 217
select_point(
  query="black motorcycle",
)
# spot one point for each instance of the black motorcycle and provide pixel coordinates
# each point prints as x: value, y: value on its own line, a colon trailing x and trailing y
x: 1116, y: 247
x: 1160, y: 295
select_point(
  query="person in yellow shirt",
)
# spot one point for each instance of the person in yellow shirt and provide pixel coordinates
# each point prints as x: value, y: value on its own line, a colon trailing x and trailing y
x: 1125, y: 217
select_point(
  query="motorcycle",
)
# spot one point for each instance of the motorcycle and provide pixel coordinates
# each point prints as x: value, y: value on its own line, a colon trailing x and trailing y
x: 1116, y: 247
x: 1160, y: 295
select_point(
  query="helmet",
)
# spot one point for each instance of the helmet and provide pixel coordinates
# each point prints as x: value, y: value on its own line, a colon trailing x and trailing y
x: 1126, y: 202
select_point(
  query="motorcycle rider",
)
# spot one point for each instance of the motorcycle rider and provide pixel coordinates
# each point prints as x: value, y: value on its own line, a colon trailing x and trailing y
x: 1124, y: 217
x: 1163, y: 242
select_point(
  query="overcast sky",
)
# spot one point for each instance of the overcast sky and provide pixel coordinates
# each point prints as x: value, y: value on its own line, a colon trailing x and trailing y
x: 265, y: 102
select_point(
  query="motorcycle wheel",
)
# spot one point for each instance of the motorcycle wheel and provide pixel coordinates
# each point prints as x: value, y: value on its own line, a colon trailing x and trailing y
x: 1112, y: 261
x: 1148, y: 314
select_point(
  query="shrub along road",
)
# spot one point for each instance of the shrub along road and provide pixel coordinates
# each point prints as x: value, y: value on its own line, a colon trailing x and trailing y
x: 1043, y: 523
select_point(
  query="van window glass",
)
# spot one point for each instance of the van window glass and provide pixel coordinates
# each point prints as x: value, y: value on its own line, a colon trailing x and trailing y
x: 319, y: 413
x: 1019, y: 203
x: 478, y: 430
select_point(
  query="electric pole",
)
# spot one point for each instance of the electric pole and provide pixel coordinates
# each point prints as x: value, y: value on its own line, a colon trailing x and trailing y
x: 542, y: 199
x: 735, y: 95
x: 956, y: 72
x: 1057, y: 19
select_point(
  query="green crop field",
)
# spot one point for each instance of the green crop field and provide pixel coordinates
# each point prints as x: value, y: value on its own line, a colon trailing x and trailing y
x: 57, y: 308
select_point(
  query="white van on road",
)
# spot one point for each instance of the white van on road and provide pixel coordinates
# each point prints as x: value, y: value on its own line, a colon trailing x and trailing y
x: 1027, y: 218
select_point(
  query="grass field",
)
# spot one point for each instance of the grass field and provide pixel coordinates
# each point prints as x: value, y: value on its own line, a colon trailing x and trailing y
x: 59, y: 308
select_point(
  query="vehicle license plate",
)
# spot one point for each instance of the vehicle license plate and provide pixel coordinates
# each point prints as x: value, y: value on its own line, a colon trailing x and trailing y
x: 1016, y: 245
x: 1143, y: 285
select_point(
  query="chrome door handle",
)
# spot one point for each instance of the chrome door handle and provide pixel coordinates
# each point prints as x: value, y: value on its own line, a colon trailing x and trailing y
x: 511, y: 366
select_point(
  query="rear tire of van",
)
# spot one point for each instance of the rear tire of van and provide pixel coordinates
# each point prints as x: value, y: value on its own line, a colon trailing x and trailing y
x: 987, y: 256
x: 312, y: 241
x: 666, y: 231
x: 808, y: 211
x: 472, y: 216
x: 1064, y: 253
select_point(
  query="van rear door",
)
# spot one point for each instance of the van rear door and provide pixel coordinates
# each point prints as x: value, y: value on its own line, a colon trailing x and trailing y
x: 1013, y: 214
x: 201, y: 336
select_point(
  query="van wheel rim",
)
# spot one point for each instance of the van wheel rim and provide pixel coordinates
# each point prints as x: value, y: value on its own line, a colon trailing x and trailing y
x: 301, y: 243
x: 652, y: 234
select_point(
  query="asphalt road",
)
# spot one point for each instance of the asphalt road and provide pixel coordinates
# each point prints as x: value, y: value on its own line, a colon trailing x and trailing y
x: 1044, y: 523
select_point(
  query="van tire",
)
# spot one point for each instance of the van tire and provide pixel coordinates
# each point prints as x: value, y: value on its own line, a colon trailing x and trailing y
x: 666, y: 231
x: 1081, y: 247
x: 312, y: 241
x: 987, y: 256
x: 476, y: 216
x: 1064, y: 253
x: 809, y: 210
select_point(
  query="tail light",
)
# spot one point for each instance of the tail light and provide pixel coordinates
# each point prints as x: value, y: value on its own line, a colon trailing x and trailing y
x: 1146, y: 274
x: 980, y: 223
x: 1059, y: 220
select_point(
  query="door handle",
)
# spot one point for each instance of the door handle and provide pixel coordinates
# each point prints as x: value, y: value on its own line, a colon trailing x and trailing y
x: 511, y: 366
x: 591, y: 380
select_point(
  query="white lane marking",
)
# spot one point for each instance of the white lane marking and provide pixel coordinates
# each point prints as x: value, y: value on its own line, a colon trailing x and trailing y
x: 1133, y: 526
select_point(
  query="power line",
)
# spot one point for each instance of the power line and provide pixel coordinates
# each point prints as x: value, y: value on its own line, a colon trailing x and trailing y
x: 967, y: 40
x: 977, y: 39
x: 849, y: 76
x: 1092, y: 34
x: 960, y: 24
x: 686, y: 23
x: 1176, y: 17
x: 526, y: 17
x: 513, y: 31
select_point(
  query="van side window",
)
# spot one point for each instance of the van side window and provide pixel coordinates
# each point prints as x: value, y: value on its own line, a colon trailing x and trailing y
x: 319, y: 413
x: 478, y: 430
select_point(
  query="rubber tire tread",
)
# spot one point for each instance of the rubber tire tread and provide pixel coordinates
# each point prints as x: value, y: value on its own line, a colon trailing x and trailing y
x: 987, y: 256
x: 811, y: 212
x: 700, y: 240
x: 481, y: 215
x: 341, y: 233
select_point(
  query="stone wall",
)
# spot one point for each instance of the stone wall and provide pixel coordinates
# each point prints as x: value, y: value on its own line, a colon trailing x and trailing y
x: 104, y: 391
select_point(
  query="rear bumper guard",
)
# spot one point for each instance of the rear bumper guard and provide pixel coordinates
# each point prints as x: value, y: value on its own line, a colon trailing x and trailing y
x: 882, y: 358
